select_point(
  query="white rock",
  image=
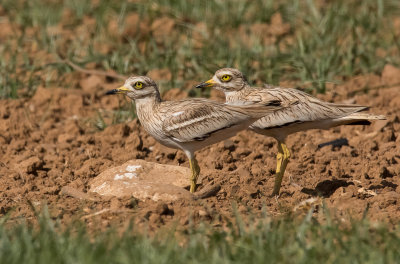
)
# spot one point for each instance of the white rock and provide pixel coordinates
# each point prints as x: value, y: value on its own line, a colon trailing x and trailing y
x: 143, y: 180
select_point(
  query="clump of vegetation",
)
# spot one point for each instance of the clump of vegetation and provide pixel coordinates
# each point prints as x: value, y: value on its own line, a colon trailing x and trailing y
x: 282, y: 240
x: 310, y: 42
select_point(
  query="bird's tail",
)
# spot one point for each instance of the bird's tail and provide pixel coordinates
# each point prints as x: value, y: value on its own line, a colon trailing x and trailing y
x: 359, y: 119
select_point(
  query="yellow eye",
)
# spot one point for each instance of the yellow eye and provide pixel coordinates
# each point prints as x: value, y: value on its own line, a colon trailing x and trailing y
x: 138, y: 85
x: 226, y: 78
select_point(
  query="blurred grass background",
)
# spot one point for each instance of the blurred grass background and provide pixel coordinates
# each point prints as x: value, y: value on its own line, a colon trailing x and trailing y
x: 267, y: 240
x: 180, y: 42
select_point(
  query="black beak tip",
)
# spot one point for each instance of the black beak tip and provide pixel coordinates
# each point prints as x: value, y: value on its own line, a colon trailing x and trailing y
x: 200, y: 85
x: 113, y: 91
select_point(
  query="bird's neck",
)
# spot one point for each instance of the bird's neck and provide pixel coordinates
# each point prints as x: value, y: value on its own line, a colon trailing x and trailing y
x: 146, y: 106
x: 235, y: 95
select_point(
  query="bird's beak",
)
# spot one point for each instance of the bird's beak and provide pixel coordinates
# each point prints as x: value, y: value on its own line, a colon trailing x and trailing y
x: 209, y: 83
x: 120, y: 90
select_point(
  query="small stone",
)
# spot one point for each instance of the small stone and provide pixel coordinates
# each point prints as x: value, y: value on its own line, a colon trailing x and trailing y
x: 202, y: 213
x: 229, y: 145
x: 364, y: 193
x: 31, y: 165
x: 232, y: 180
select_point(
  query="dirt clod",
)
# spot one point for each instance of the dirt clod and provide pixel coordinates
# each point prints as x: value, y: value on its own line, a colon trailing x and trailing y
x: 31, y: 165
x: 385, y: 173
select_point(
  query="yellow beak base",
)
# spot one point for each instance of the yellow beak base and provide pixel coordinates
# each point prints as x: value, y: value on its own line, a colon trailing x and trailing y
x: 120, y: 90
x: 209, y: 83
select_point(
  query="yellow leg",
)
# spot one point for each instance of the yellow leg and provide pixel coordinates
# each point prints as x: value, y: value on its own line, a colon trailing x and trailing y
x: 194, y: 167
x: 282, y: 160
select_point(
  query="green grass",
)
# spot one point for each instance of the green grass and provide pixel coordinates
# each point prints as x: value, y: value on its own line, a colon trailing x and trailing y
x: 268, y: 241
x: 325, y: 43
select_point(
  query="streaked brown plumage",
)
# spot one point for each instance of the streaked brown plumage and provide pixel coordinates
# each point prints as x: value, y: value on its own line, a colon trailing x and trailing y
x: 189, y: 124
x: 308, y: 113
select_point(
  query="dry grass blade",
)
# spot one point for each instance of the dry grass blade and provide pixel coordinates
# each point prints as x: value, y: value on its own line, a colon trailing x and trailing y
x: 94, y: 72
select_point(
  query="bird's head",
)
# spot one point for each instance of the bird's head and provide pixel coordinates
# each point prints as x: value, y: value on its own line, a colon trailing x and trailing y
x: 226, y: 80
x: 137, y: 87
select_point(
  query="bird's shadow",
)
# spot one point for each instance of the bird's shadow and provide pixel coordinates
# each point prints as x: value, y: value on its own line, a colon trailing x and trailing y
x: 326, y: 188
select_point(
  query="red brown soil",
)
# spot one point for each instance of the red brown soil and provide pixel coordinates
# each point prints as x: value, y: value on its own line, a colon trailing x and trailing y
x: 48, y: 142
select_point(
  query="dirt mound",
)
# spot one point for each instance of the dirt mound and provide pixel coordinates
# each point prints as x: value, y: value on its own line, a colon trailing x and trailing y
x: 48, y: 142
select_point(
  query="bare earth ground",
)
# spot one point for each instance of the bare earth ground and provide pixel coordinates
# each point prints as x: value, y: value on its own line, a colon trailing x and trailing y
x: 47, y: 142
